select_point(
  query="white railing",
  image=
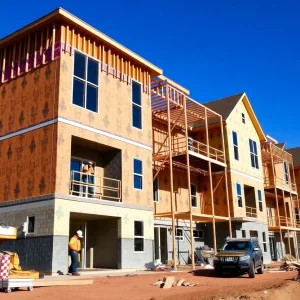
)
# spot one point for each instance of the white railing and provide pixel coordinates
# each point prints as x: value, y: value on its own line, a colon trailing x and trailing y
x: 92, y: 186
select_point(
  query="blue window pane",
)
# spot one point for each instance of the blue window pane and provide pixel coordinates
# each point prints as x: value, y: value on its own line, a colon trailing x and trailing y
x: 138, y: 166
x: 78, y: 92
x: 238, y: 189
x: 79, y: 65
x: 92, y: 98
x: 138, y: 182
x: 136, y: 116
x: 92, y: 75
x: 234, y: 137
x: 250, y: 145
x: 254, y: 147
x: 136, y: 93
x: 259, y: 195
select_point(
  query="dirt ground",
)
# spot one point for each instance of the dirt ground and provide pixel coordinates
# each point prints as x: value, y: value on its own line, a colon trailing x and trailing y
x: 275, y: 286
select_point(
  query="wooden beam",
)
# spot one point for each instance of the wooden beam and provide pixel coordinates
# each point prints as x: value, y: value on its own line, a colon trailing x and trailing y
x: 287, y: 223
x: 277, y: 206
x: 66, y: 38
x: 171, y: 189
x: 41, y: 47
x: 189, y: 184
x: 45, y: 282
x: 13, y: 62
x: 35, y: 49
x: 3, y: 65
x: 53, y: 41
x: 72, y: 42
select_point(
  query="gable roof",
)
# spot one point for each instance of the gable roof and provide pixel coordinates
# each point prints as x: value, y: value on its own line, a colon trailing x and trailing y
x: 296, y: 155
x: 225, y: 106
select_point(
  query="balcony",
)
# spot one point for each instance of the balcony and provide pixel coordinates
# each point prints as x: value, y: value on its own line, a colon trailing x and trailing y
x: 279, y: 182
x: 96, y: 187
x: 282, y: 221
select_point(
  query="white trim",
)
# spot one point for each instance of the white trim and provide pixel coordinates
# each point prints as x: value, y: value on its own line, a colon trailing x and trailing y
x: 82, y: 126
x: 179, y: 237
x: 137, y: 174
x: 19, y: 132
x: 138, y: 105
x: 245, y: 175
x: 139, y: 236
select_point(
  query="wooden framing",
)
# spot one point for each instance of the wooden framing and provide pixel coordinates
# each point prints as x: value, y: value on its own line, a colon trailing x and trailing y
x: 174, y: 110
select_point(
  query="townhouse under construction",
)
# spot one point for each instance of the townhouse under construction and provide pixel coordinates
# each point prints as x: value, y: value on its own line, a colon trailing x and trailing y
x: 169, y: 174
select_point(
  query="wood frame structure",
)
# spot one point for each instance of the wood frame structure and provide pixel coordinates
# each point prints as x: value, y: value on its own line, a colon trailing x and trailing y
x: 173, y: 108
x: 279, y: 190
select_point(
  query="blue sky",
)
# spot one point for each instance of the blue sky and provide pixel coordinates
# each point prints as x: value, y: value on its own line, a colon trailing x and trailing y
x: 213, y: 48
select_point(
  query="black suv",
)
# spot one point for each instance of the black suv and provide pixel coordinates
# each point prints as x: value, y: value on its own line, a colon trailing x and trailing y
x: 240, y: 256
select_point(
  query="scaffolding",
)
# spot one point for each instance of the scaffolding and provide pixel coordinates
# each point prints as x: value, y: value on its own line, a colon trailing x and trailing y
x: 280, y: 189
x: 180, y: 116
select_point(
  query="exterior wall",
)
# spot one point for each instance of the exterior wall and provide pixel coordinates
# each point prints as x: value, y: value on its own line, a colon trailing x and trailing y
x: 34, y: 250
x: 65, y: 205
x: 254, y: 226
x: 129, y: 152
x: 183, y: 248
x: 258, y: 185
x: 28, y: 103
x: 244, y: 133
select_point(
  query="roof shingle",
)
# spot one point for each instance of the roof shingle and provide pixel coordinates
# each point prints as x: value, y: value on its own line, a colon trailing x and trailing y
x: 224, y: 106
x: 296, y: 155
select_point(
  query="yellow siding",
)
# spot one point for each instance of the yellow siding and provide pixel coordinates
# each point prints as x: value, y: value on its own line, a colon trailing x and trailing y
x: 244, y: 133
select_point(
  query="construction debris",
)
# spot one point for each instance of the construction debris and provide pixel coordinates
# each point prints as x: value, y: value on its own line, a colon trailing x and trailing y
x: 170, y: 281
x: 296, y: 266
x: 289, y: 257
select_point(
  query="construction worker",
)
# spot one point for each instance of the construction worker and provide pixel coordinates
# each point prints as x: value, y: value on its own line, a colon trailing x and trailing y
x: 74, y: 249
x: 88, y: 177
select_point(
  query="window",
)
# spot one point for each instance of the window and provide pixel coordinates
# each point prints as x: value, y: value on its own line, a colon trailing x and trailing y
x: 30, y: 224
x: 198, y: 234
x: 260, y: 204
x: 138, y: 174
x: 235, y: 145
x: 194, y: 195
x: 286, y: 172
x: 179, y: 234
x: 243, y: 118
x: 136, y: 105
x: 253, y: 233
x: 243, y: 233
x: 138, y: 236
x: 85, y: 82
x: 239, y: 195
x: 155, y: 190
x: 253, y: 154
x: 264, y: 241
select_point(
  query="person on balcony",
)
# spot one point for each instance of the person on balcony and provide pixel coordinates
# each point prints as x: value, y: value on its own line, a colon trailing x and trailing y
x: 88, y: 177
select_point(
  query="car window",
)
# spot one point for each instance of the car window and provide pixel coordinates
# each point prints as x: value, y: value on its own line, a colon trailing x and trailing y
x: 237, y: 246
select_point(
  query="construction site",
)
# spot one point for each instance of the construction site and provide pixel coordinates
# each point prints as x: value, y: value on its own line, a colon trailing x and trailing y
x: 116, y: 175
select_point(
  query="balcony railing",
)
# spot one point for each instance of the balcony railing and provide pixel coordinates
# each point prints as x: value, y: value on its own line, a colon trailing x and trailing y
x: 179, y: 146
x: 270, y: 182
x: 92, y: 186
x: 251, y: 212
x: 282, y: 221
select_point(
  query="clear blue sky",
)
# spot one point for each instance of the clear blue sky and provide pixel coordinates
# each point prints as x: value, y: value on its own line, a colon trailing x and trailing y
x: 214, y: 48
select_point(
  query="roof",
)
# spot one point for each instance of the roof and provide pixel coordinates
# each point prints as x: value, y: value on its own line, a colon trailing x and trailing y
x: 225, y: 106
x: 61, y: 13
x: 296, y: 155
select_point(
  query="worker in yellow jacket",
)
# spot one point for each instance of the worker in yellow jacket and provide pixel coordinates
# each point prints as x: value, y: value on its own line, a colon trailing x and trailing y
x: 74, y: 249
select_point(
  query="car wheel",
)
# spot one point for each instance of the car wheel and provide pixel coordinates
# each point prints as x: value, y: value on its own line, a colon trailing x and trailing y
x: 261, y: 269
x: 251, y: 271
